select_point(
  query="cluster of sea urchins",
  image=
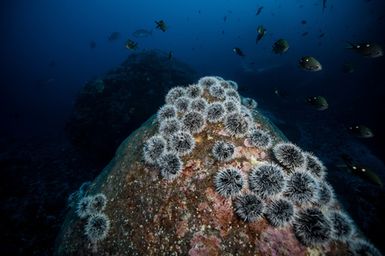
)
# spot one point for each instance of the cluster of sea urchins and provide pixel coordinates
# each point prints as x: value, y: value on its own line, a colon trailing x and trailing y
x: 290, y: 190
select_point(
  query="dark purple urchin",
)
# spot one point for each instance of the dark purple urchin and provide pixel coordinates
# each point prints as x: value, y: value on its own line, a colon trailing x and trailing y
x: 97, y: 227
x: 182, y: 104
x: 342, y: 225
x: 174, y: 94
x: 228, y: 182
x: 232, y: 94
x: 260, y: 139
x: 231, y: 106
x: 153, y: 148
x: 315, y: 166
x: 169, y: 127
x: 279, y: 212
x: 233, y: 84
x: 170, y: 165
x: 193, y: 122
x: 208, y: 81
x: 217, y: 91
x: 215, y: 112
x: 289, y: 155
x: 199, y: 105
x: 248, y: 207
x: 236, y: 124
x: 301, y: 188
x: 165, y: 112
x: 182, y: 143
x: 194, y: 91
x: 223, y: 151
x: 82, y: 207
x: 311, y: 227
x: 267, y: 180
x: 325, y: 195
x: 97, y: 204
x: 249, y: 103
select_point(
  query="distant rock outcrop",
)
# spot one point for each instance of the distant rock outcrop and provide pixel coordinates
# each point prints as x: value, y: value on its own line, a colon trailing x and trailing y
x: 109, y: 108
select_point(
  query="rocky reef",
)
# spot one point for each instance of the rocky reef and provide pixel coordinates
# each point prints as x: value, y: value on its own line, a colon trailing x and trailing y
x: 209, y: 176
x: 108, y: 108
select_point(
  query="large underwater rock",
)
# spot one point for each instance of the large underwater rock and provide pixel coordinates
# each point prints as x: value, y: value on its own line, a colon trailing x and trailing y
x: 211, y: 202
x: 109, y: 108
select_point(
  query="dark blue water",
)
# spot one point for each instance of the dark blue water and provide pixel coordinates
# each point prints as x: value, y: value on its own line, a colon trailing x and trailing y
x: 46, y: 59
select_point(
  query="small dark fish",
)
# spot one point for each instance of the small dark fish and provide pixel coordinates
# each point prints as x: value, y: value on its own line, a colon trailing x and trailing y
x: 261, y: 33
x: 199, y: 11
x: 161, y: 25
x: 371, y: 50
x: 303, y: 22
x: 259, y: 10
x: 361, y: 131
x: 140, y: 33
x: 348, y: 68
x: 305, y: 33
x: 359, y: 170
x: 169, y: 55
x: 238, y: 52
x: 309, y: 63
x: 92, y: 44
x: 280, y: 46
x: 223, y: 32
x: 318, y: 102
x: 225, y: 18
x: 321, y: 35
x: 114, y: 36
x: 131, y: 45
x: 280, y: 93
x: 323, y: 5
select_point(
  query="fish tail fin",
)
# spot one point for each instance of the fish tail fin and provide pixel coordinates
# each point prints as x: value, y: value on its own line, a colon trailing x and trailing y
x: 349, y: 45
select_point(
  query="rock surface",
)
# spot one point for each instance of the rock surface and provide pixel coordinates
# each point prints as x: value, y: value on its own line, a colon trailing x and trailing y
x: 150, y: 215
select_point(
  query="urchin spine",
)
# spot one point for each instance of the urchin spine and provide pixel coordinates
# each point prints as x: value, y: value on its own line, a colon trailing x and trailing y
x: 289, y: 155
x: 223, y: 151
x: 236, y: 125
x: 182, y: 143
x: 260, y: 139
x: 228, y: 182
x: 267, y: 180
x: 315, y: 166
x: 215, y: 112
x: 301, y: 188
x: 97, y: 227
x: 170, y: 165
x: 311, y: 227
x: 279, y: 212
x: 153, y: 148
x: 193, y: 122
x: 248, y: 207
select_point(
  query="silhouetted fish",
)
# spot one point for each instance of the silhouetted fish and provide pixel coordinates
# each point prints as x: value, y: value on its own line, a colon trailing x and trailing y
x: 238, y: 51
x: 114, y: 36
x: 305, y: 33
x: 259, y: 10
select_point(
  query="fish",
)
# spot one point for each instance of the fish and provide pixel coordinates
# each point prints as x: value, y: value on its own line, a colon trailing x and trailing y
x: 114, y: 36
x: 361, y: 131
x: 309, y: 63
x: 367, y: 49
x: 347, y: 68
x: 304, y: 33
x: 360, y: 170
x: 131, y: 45
x: 281, y: 93
x: 303, y: 22
x: 280, y: 46
x: 169, y: 55
x: 259, y: 10
x: 323, y: 5
x: 321, y: 35
x: 318, y: 102
x: 238, y: 52
x: 225, y: 18
x: 140, y: 33
x: 92, y: 44
x: 261, y: 33
x: 161, y: 25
